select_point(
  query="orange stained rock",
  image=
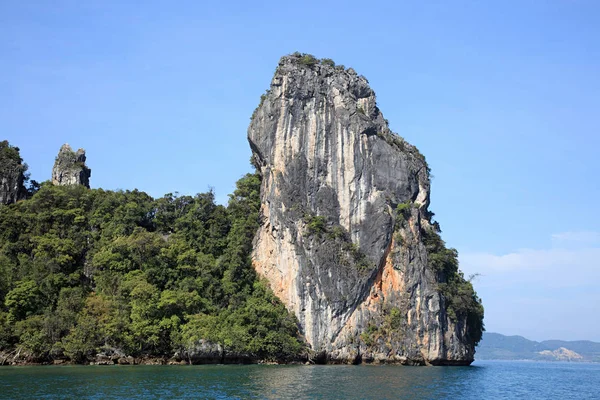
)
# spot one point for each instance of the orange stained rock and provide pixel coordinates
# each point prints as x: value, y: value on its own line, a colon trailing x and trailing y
x: 388, y: 279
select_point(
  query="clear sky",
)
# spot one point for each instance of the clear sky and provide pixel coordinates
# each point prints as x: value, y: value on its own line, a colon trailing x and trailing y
x: 502, y: 97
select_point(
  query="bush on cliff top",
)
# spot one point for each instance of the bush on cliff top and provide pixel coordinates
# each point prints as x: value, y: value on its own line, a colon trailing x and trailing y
x: 308, y: 59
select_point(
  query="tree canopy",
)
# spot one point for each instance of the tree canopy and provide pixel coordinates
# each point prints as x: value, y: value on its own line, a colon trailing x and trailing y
x: 85, y: 270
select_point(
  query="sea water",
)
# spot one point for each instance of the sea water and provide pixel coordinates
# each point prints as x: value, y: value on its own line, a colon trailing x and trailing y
x: 482, y: 380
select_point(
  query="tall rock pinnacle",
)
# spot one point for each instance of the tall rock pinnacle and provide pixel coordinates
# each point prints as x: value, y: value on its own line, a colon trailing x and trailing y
x: 12, y: 174
x: 70, y: 169
x: 346, y: 239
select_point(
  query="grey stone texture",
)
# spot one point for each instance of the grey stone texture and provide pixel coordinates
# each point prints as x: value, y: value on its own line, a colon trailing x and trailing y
x: 70, y: 169
x: 331, y: 243
x: 12, y: 174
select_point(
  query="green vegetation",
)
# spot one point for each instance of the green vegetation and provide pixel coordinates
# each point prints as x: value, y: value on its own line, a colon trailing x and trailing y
x: 68, y: 157
x: 9, y: 153
x: 263, y: 97
x: 350, y: 253
x: 360, y: 259
x: 394, y: 140
x: 316, y: 224
x: 13, y: 167
x: 328, y: 61
x: 387, y: 330
x: 394, y: 318
x: 84, y: 271
x: 370, y: 335
x: 308, y: 59
x: 403, y: 210
x: 338, y: 232
x: 458, y: 293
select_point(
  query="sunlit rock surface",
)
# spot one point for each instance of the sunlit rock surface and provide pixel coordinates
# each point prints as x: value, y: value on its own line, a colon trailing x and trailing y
x: 331, y: 243
x: 70, y: 169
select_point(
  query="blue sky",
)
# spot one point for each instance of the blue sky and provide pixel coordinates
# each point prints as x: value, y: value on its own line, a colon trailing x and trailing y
x: 501, y: 97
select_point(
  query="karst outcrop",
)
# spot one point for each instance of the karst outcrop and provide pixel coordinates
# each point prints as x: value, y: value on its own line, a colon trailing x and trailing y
x: 346, y: 239
x: 12, y: 174
x: 70, y: 169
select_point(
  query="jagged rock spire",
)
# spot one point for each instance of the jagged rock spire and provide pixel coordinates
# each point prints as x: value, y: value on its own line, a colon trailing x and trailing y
x: 12, y: 174
x: 70, y: 169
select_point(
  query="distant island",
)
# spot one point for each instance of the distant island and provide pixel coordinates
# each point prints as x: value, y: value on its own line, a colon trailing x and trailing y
x: 494, y: 346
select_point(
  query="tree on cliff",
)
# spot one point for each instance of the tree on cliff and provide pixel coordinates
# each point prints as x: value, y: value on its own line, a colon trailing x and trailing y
x: 13, y: 174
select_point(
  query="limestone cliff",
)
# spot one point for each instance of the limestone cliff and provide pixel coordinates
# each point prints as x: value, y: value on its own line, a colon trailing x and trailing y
x: 70, y: 169
x: 346, y: 239
x: 12, y: 174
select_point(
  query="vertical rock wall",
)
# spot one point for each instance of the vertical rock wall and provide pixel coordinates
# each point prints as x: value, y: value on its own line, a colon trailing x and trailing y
x: 12, y: 174
x: 332, y: 243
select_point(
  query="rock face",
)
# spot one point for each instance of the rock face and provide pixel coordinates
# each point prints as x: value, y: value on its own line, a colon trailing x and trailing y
x: 70, y: 169
x: 12, y: 174
x: 344, y: 223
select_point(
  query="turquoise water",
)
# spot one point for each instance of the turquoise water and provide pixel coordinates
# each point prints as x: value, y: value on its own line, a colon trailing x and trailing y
x: 483, y: 380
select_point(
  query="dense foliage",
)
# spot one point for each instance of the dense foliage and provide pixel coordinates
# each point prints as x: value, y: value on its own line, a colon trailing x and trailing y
x: 85, y: 271
x: 458, y: 293
x: 13, y: 167
x: 9, y: 153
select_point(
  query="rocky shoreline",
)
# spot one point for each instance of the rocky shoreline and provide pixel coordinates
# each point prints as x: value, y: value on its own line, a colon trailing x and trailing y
x: 206, y: 353
x: 130, y: 360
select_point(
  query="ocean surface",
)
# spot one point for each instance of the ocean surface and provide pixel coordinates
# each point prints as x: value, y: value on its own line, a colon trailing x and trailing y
x: 482, y: 380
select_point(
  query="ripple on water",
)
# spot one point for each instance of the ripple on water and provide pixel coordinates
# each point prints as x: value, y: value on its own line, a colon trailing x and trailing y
x: 493, y: 380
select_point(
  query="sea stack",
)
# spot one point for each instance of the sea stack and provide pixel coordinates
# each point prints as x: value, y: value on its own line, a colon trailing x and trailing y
x: 346, y: 239
x: 70, y: 169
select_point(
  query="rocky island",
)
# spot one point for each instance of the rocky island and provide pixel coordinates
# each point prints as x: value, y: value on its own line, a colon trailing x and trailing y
x: 347, y: 241
x: 328, y: 253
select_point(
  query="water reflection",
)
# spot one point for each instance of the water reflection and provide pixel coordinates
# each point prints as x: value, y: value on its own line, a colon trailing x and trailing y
x: 496, y: 380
